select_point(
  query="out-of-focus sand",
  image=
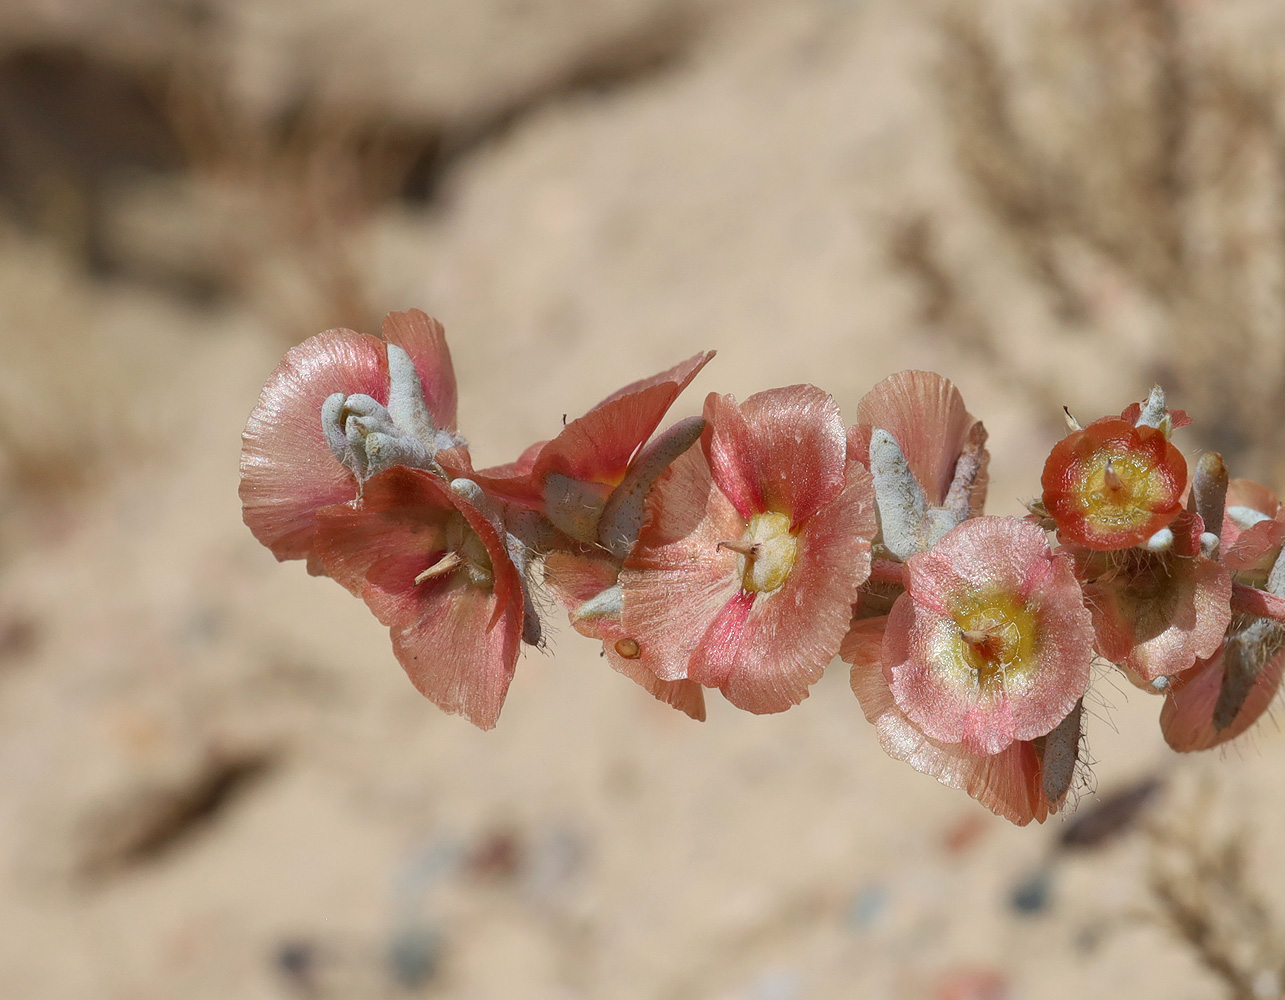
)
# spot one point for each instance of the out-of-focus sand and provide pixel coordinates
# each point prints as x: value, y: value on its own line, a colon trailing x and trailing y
x: 733, y: 200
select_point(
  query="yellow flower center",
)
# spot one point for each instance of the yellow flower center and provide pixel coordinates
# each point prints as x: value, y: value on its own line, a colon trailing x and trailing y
x: 998, y: 637
x: 767, y: 552
x: 1120, y: 490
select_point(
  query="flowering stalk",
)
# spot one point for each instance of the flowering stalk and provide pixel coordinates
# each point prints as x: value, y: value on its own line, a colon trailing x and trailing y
x: 742, y: 549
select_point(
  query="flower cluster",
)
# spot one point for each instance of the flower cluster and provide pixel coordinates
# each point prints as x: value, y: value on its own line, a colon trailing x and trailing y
x: 746, y: 548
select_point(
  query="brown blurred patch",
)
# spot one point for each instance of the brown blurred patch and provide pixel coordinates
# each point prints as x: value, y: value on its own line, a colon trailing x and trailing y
x: 156, y: 820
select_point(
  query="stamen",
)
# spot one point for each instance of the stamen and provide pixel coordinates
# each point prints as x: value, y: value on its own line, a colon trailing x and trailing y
x: 448, y: 563
x: 984, y: 641
x: 1114, y: 481
x: 628, y: 648
x: 1071, y: 422
x: 749, y: 550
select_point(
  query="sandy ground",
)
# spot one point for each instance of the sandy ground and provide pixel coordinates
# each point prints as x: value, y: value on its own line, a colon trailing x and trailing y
x: 596, y: 844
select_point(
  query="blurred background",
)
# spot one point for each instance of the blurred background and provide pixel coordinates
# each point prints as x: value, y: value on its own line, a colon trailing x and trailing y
x: 216, y: 780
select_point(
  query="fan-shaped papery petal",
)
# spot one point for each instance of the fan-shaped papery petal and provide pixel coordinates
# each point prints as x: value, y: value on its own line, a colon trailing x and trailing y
x: 863, y: 645
x: 783, y: 450
x: 288, y: 471
x: 1155, y: 619
x: 1009, y: 784
x: 1242, y: 547
x: 597, y: 447
x: 576, y: 578
x: 457, y: 641
x: 1187, y: 719
x: 677, y: 580
x: 594, y: 448
x: 424, y: 340
x: 989, y: 570
x: 927, y: 416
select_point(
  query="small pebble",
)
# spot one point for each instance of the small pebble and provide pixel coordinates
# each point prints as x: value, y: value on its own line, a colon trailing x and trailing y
x: 868, y: 905
x: 1031, y: 895
x: 414, y: 956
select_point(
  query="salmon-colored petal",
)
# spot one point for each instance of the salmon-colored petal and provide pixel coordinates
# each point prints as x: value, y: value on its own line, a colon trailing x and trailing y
x: 1009, y: 784
x: 1243, y: 548
x: 575, y: 578
x: 1187, y: 718
x: 678, y: 377
x: 597, y: 447
x: 423, y: 338
x: 1157, y: 619
x: 790, y: 635
x: 288, y: 471
x: 677, y: 579
x: 989, y: 575
x: 458, y: 642
x: 732, y: 454
x: 863, y: 645
x: 451, y: 657
x: 783, y: 450
x: 927, y: 416
x: 802, y: 448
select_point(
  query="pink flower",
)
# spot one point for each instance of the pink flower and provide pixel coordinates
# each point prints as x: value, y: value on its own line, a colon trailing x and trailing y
x: 437, y: 571
x: 1156, y: 612
x: 981, y: 666
x: 339, y: 466
x: 752, y: 551
x: 1113, y: 485
x: 290, y: 468
x: 991, y: 642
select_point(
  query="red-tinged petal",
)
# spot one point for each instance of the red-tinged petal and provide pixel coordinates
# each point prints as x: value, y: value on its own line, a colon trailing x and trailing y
x: 1243, y: 548
x: 522, y: 466
x: 1158, y: 615
x: 927, y: 416
x: 783, y: 450
x: 862, y: 646
x: 678, y: 377
x: 1112, y: 485
x: 423, y: 338
x: 457, y: 641
x: 512, y: 481
x: 1009, y: 784
x: 288, y: 471
x: 1187, y: 719
x: 598, y: 447
x: 802, y: 448
x: 723, y: 643
x: 989, y: 577
x: 730, y: 449
x: 1247, y: 600
x: 677, y: 579
x: 792, y: 634
x: 575, y: 578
